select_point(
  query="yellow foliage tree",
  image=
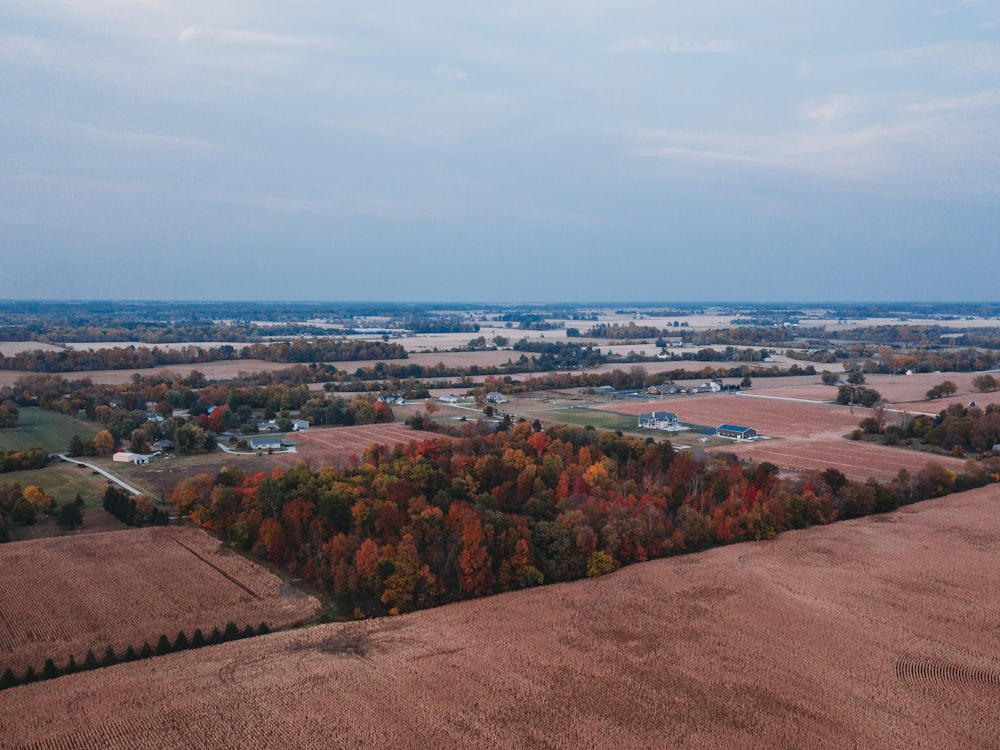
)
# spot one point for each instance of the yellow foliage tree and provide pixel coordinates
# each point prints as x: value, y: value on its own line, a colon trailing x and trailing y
x: 104, y: 443
x: 38, y: 498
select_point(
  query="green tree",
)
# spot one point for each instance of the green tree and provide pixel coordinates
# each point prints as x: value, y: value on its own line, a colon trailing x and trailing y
x: 163, y: 646
x: 600, y: 563
x: 75, y: 447
x: 70, y: 516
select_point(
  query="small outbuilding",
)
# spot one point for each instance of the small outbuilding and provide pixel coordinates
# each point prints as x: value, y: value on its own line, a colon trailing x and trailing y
x: 126, y: 457
x: 736, y: 432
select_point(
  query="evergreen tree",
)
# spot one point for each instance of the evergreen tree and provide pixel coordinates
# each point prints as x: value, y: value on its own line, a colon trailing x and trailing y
x: 71, y: 665
x: 216, y: 636
x: 51, y: 671
x: 146, y: 651
x: 8, y: 680
x: 70, y: 516
x: 78, y: 501
x: 263, y: 629
x: 29, y: 676
x: 248, y: 632
x: 130, y: 654
x: 90, y: 661
x: 163, y: 646
x: 110, y: 657
x: 232, y: 632
x: 198, y: 639
x: 181, y: 642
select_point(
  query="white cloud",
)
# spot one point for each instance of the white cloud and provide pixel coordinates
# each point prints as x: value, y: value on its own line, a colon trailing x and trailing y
x: 450, y: 73
x: 675, y: 46
x: 141, y: 138
x: 834, y: 108
x: 247, y: 37
x: 908, y: 140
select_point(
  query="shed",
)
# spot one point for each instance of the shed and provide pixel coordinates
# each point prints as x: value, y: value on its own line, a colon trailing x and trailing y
x: 736, y: 432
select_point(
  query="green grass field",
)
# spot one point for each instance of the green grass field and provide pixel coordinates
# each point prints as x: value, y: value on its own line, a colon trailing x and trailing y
x: 40, y: 428
x: 600, y: 420
x: 63, y: 481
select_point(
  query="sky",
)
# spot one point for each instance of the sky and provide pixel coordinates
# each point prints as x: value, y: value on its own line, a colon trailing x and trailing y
x: 529, y: 151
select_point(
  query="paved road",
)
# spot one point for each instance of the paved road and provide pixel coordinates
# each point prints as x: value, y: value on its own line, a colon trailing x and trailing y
x: 99, y: 470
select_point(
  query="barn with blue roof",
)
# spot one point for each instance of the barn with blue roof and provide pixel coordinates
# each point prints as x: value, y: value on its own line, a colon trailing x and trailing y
x: 736, y: 432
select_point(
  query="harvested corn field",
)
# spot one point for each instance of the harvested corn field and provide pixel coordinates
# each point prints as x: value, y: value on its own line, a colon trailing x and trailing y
x: 67, y: 595
x: 337, y: 445
x: 878, y: 632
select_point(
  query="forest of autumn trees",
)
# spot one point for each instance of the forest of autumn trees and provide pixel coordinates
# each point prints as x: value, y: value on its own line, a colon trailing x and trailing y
x: 448, y: 519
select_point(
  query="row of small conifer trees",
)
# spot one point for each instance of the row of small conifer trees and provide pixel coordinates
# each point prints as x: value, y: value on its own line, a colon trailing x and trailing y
x: 110, y: 658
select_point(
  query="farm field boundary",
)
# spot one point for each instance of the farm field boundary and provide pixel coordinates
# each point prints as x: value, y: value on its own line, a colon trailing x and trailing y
x: 68, y: 595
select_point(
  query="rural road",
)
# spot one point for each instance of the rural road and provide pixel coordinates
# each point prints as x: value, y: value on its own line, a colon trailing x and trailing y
x: 99, y: 470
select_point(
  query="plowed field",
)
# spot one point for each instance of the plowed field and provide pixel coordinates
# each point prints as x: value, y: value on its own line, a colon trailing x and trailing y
x: 67, y: 595
x: 876, y: 633
x: 336, y: 445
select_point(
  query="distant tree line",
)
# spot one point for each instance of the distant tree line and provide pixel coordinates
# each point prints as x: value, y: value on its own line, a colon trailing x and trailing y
x: 132, y: 357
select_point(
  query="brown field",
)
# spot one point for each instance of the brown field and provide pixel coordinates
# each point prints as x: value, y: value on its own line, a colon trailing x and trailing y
x: 806, y: 436
x: 901, y: 391
x: 774, y: 417
x: 66, y: 595
x: 10, y: 348
x: 335, y: 446
x: 212, y: 370
x: 873, y: 633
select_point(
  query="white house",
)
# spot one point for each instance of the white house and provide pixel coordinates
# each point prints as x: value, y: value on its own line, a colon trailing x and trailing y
x: 300, y: 424
x: 495, y: 397
x: 658, y: 420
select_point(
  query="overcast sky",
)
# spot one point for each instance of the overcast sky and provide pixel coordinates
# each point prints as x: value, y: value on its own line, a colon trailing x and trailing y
x: 538, y: 150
